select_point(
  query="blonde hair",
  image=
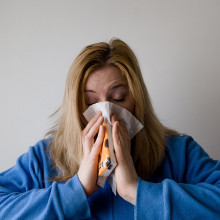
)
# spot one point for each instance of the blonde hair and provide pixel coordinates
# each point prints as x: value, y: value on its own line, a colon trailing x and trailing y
x: 66, y: 145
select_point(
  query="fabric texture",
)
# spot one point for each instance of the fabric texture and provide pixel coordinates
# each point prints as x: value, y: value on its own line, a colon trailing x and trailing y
x: 185, y: 186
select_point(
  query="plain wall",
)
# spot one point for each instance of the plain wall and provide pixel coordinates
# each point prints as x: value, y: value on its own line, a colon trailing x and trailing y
x: 176, y: 42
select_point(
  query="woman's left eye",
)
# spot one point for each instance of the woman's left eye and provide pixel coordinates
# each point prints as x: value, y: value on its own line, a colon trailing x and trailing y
x: 119, y: 100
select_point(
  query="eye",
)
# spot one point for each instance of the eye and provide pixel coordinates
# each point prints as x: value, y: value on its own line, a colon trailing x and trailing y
x: 119, y: 100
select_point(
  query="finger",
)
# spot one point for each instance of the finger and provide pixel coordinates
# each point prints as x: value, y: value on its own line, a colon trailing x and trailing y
x: 122, y: 127
x: 98, y: 144
x: 95, y: 128
x: 89, y: 137
x: 115, y: 136
x: 92, y: 122
x: 121, y: 142
x: 113, y: 118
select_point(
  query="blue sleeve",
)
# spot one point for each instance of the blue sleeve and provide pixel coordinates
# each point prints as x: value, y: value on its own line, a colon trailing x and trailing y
x: 194, y: 194
x: 25, y: 194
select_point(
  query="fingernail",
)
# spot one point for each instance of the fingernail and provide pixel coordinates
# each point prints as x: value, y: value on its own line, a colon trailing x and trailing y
x: 98, y: 113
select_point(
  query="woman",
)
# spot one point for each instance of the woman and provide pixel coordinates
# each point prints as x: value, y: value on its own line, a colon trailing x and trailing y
x: 160, y: 173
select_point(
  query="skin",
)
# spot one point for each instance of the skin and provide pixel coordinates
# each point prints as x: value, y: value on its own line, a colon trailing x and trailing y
x: 108, y: 84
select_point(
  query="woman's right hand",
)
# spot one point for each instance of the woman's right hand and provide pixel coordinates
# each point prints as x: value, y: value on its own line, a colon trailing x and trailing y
x: 88, y: 169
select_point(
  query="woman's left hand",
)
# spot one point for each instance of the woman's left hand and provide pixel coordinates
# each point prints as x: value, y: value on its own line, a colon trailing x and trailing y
x: 125, y: 173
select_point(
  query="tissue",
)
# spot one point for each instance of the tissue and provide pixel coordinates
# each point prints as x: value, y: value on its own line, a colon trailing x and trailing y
x: 107, y: 161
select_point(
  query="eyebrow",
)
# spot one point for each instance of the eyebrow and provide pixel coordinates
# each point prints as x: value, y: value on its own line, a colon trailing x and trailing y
x: 113, y: 88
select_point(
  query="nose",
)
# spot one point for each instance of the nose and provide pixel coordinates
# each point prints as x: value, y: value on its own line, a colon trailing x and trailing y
x: 103, y: 99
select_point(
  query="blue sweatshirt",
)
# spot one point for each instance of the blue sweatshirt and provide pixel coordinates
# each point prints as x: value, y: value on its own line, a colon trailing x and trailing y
x: 185, y: 186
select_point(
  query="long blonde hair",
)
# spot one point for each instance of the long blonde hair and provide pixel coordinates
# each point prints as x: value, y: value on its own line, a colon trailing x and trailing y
x: 66, y: 145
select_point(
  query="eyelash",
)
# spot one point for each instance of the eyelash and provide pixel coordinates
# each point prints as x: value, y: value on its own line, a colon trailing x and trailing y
x: 116, y: 100
x: 119, y: 100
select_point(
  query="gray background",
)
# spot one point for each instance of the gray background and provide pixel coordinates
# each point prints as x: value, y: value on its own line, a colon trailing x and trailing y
x: 176, y: 42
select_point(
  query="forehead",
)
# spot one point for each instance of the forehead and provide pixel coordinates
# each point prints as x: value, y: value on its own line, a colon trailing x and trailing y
x: 105, y: 75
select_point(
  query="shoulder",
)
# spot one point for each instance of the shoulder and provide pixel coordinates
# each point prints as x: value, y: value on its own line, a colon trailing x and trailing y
x: 32, y: 168
x: 182, y: 144
x: 172, y: 141
x: 41, y: 148
x: 40, y: 152
x: 37, y: 158
x: 190, y: 162
x: 184, y: 149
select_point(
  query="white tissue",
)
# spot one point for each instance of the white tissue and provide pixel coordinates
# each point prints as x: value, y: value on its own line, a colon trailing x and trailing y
x: 132, y: 125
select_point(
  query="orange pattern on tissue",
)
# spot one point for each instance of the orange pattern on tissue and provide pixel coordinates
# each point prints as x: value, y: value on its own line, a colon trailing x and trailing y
x: 104, y: 157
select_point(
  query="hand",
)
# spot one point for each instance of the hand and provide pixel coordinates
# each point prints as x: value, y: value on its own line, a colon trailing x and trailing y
x: 125, y: 173
x: 91, y: 148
